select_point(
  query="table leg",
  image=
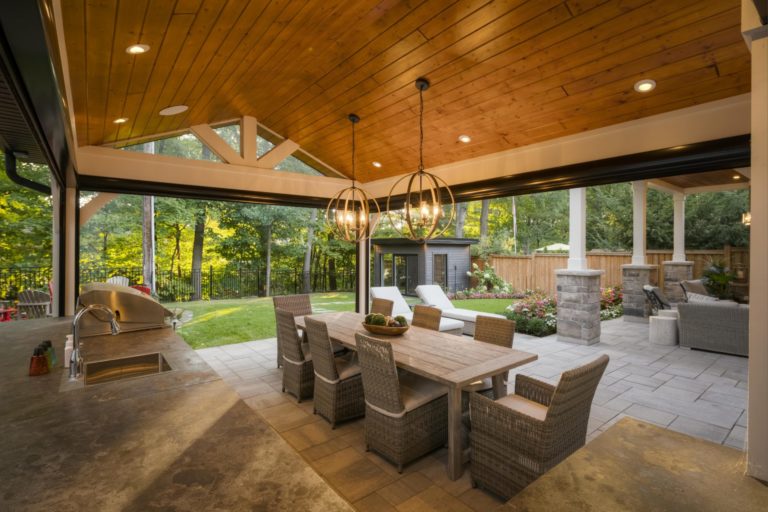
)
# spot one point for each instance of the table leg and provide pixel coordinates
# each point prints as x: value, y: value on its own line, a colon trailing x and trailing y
x: 499, y: 386
x: 455, y: 467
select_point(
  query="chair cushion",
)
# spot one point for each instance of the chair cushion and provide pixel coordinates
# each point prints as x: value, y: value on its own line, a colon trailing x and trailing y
x: 528, y: 407
x: 346, y: 368
x: 399, y: 307
x: 697, y: 297
x: 416, y: 391
x: 433, y: 295
x: 449, y: 324
x: 467, y: 315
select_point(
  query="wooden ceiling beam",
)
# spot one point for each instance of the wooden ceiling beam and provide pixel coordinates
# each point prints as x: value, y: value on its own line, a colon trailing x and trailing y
x: 219, y: 146
x: 249, y: 128
x: 278, y: 153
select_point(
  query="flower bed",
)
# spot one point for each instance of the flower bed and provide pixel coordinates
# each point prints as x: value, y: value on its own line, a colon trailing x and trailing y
x: 536, y: 313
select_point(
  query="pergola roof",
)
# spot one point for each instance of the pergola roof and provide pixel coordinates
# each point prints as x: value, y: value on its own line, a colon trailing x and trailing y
x: 509, y: 74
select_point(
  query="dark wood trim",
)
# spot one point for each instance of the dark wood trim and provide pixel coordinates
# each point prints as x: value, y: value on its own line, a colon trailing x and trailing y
x: 123, y: 186
x: 26, y: 60
x: 62, y: 270
x: 713, y: 155
x: 762, y: 10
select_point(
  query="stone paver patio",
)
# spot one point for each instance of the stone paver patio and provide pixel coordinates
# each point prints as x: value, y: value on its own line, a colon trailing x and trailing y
x: 697, y: 393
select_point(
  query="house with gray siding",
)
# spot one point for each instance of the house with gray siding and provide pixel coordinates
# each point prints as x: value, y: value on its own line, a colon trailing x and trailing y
x: 406, y: 263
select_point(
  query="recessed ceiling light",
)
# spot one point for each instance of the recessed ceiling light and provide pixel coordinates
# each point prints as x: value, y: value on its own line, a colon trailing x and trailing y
x: 120, y: 120
x: 737, y: 176
x: 172, y: 111
x: 466, y: 139
x: 376, y: 164
x: 136, y: 49
x: 646, y: 85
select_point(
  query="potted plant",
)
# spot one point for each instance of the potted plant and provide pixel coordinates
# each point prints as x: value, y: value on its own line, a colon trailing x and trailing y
x: 717, y: 279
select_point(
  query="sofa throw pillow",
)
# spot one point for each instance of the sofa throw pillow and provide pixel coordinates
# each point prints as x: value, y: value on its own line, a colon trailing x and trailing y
x: 698, y: 297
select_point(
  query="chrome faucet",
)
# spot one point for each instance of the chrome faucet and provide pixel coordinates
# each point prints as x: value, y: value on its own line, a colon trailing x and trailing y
x: 76, y: 361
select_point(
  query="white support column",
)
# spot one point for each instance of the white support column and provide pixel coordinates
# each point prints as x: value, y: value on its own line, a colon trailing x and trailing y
x: 757, y: 425
x: 639, y: 191
x: 363, y: 283
x: 71, y: 262
x: 678, y: 251
x: 56, y: 263
x: 577, y: 229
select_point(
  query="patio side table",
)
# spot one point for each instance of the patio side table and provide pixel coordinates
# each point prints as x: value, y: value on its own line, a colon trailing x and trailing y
x: 663, y: 330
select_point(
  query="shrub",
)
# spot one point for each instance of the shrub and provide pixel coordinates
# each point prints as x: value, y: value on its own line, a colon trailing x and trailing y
x: 535, y: 314
x: 487, y: 280
x: 717, y: 279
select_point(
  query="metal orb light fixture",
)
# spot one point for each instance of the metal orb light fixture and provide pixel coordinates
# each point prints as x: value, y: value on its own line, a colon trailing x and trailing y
x: 429, y: 206
x: 349, y: 212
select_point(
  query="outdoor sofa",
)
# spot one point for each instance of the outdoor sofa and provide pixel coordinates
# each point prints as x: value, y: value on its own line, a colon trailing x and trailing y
x: 721, y: 326
x: 400, y: 307
x: 433, y: 295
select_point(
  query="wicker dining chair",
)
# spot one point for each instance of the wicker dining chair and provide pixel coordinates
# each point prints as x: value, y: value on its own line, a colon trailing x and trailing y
x: 382, y: 306
x: 338, y: 383
x: 406, y: 416
x: 297, y: 305
x: 518, y: 438
x: 498, y: 331
x: 426, y: 317
x: 298, y: 374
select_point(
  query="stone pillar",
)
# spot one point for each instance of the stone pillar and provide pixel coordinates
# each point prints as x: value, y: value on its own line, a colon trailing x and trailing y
x: 678, y: 251
x: 633, y: 278
x: 639, y: 192
x: 674, y: 272
x: 577, y: 229
x: 578, y: 306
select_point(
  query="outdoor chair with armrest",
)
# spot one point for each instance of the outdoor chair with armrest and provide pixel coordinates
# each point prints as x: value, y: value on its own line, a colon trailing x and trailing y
x: 33, y: 304
x: 656, y: 298
x: 518, y: 438
x: 297, y: 305
x: 400, y: 307
x: 406, y: 416
x: 433, y: 295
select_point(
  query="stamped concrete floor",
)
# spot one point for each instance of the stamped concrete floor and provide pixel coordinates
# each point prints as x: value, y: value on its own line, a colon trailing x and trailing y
x: 697, y: 393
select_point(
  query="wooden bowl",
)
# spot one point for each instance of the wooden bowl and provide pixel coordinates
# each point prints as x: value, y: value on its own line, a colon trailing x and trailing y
x: 386, y: 331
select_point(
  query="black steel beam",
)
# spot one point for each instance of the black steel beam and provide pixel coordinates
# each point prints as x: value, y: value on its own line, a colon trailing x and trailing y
x: 14, y: 176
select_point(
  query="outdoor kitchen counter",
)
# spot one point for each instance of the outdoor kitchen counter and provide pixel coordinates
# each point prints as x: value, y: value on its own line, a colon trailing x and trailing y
x: 180, y: 440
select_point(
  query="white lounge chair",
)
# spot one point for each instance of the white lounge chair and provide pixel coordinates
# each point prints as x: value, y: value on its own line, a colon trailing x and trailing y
x: 121, y: 280
x: 401, y: 307
x: 433, y: 295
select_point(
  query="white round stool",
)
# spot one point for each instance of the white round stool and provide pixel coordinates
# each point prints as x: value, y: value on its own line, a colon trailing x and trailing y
x: 663, y: 330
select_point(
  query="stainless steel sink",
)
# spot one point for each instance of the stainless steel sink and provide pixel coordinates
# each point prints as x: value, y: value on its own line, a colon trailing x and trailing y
x: 97, y: 372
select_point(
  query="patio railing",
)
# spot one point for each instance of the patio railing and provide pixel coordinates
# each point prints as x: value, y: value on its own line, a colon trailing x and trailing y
x: 226, y: 283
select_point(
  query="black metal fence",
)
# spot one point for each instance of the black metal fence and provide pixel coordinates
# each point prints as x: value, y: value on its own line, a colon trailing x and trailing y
x: 225, y: 283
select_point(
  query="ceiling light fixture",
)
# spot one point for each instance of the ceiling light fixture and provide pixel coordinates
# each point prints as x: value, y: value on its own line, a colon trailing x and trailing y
x: 645, y: 85
x: 428, y: 200
x: 737, y: 176
x: 466, y: 139
x: 376, y: 164
x: 172, y: 111
x: 349, y: 212
x: 120, y: 120
x: 137, y: 49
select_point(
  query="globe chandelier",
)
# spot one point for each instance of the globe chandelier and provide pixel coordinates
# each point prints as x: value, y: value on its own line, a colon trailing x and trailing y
x: 349, y: 212
x: 429, y: 206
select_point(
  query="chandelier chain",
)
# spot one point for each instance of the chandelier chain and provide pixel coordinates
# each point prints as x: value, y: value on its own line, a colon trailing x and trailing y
x: 421, y: 129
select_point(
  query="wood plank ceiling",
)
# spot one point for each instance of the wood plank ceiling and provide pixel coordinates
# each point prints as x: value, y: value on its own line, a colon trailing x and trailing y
x: 507, y: 73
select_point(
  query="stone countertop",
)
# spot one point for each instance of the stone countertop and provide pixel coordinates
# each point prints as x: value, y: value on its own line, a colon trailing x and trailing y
x: 635, y: 466
x: 180, y: 440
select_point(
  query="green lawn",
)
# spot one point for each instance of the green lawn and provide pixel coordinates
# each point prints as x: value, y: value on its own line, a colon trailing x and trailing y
x: 222, y: 322
x: 485, y: 305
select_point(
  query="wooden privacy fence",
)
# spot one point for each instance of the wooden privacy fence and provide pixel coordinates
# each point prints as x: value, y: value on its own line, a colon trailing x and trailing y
x: 537, y: 271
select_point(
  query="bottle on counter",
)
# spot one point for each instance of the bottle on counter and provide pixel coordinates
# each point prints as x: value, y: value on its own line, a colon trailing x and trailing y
x: 50, y: 354
x: 38, y: 364
x: 68, y: 347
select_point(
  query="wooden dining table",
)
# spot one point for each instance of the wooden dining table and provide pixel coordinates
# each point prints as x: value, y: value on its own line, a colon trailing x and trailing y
x: 454, y: 361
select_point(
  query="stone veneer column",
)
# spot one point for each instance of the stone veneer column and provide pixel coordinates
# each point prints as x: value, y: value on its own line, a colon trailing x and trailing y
x: 633, y: 278
x: 578, y: 306
x: 674, y: 272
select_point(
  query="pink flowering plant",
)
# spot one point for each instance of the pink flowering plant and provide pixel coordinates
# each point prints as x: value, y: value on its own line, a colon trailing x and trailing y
x: 536, y: 314
x: 611, y: 303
